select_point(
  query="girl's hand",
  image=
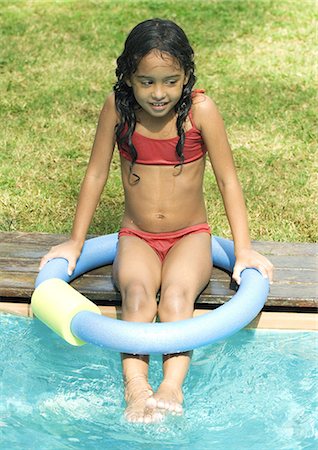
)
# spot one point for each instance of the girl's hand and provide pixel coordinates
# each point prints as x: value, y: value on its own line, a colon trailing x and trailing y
x: 249, y: 258
x: 69, y: 250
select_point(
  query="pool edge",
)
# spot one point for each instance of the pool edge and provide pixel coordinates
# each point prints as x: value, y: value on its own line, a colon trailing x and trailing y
x: 265, y: 320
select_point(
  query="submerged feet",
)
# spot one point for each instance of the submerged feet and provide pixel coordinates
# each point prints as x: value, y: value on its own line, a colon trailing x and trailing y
x: 137, y: 393
x: 167, y: 399
x: 143, y: 406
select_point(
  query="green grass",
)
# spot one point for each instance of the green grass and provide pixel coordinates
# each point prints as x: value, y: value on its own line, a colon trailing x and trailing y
x: 255, y: 58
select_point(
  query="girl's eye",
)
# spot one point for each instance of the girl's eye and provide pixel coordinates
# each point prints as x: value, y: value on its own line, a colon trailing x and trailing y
x: 150, y: 82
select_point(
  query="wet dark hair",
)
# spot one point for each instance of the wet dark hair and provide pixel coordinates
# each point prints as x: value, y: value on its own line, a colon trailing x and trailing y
x: 165, y: 37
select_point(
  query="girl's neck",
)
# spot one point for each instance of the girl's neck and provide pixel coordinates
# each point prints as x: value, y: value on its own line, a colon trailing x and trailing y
x: 156, y: 124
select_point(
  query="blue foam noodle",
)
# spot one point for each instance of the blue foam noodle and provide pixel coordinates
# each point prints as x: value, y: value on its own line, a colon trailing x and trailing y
x: 168, y: 337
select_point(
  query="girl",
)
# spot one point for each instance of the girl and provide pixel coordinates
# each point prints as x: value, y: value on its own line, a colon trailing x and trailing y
x: 163, y: 130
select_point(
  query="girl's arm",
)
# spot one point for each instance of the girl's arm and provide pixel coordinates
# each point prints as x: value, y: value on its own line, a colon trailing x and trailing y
x: 91, y: 188
x: 213, y: 132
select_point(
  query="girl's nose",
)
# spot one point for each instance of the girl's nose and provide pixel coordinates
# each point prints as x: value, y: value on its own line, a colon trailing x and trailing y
x: 158, y: 93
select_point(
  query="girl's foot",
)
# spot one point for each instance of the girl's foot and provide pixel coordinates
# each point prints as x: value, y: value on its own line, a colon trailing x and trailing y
x: 167, y: 399
x: 137, y: 392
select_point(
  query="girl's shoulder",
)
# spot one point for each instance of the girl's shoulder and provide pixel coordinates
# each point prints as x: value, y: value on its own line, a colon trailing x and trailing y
x: 201, y: 101
x: 109, y: 107
x: 203, y: 108
x: 110, y: 101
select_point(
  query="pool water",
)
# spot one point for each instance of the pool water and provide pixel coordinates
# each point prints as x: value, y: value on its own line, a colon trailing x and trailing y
x: 256, y: 390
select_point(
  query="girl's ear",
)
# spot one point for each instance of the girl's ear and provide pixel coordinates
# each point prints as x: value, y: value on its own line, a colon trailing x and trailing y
x: 128, y: 82
x: 186, y: 79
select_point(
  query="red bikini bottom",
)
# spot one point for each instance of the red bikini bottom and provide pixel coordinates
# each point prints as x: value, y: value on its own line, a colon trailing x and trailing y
x: 161, y: 243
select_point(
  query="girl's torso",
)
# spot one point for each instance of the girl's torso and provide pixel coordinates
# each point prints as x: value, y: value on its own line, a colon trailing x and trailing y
x: 167, y: 196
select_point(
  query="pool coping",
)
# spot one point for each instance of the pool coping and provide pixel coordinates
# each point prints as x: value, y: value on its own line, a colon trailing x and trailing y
x: 265, y: 320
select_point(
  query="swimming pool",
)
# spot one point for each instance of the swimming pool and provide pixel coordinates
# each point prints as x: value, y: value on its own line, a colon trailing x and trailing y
x: 256, y: 390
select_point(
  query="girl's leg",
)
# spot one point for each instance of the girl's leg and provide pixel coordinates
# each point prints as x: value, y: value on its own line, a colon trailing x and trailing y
x: 137, y: 274
x: 186, y: 271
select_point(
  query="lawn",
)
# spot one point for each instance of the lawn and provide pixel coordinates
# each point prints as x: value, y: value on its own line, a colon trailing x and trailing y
x: 255, y: 58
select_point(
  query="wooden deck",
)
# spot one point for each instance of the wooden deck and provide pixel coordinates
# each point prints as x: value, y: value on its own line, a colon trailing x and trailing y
x: 295, y: 287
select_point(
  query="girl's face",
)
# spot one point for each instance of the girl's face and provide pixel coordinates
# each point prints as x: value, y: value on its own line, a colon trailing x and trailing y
x: 158, y: 83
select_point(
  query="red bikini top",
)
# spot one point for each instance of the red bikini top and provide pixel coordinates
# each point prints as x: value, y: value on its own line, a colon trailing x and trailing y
x: 163, y: 151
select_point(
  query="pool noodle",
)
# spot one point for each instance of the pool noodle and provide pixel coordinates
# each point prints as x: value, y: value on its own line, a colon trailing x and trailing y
x: 144, y: 338
x: 56, y: 303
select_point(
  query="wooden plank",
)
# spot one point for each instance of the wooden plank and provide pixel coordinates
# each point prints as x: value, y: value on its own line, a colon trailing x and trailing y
x: 268, y: 248
x: 13, y: 254
x: 286, y: 275
x: 45, y: 240
x: 19, y: 265
x: 29, y: 251
x: 294, y: 262
x: 271, y: 303
x: 286, y: 248
x: 16, y: 271
x: 97, y: 287
x: 21, y: 285
x: 31, y: 266
x: 295, y: 280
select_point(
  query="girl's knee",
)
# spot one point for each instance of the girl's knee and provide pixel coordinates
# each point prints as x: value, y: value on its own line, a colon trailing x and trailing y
x: 176, y: 303
x: 138, y: 303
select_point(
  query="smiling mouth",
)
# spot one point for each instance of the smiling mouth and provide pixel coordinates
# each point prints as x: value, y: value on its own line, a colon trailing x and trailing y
x: 158, y: 105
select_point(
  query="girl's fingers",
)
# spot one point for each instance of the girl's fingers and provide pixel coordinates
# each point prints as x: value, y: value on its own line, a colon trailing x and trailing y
x: 71, y: 266
x: 43, y: 261
x: 262, y: 270
x: 46, y: 258
x: 71, y: 262
x: 238, y: 269
x: 266, y: 271
x: 68, y: 250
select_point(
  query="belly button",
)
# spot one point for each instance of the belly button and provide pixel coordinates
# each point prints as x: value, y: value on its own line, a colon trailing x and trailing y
x: 160, y: 216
